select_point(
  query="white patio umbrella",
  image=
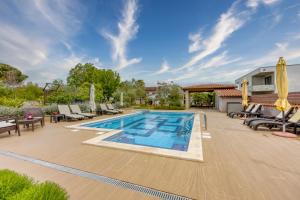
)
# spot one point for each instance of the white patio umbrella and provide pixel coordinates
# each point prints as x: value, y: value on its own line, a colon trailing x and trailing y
x: 92, y: 98
x: 121, y: 99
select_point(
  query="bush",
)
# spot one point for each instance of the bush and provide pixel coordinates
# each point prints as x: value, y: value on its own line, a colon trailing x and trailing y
x: 10, y: 111
x: 14, y: 186
x: 11, y: 102
x: 47, y: 190
x: 48, y: 110
x: 12, y: 183
x: 85, y: 107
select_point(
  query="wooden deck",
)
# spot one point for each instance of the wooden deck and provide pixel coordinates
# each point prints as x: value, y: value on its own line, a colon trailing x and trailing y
x: 238, y: 164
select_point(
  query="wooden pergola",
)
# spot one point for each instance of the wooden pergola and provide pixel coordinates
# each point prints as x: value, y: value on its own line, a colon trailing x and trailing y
x: 203, y: 88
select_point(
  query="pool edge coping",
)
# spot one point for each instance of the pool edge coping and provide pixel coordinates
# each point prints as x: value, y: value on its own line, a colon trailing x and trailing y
x: 194, y: 152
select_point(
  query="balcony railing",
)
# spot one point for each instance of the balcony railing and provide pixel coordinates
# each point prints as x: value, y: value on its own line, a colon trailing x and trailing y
x: 263, y: 88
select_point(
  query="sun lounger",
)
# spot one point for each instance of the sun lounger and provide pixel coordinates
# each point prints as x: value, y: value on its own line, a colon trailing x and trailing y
x: 278, y: 117
x: 65, y: 110
x: 255, y: 111
x: 248, y: 109
x: 9, y: 124
x: 76, y: 110
x: 111, y: 107
x: 104, y: 109
x: 293, y: 121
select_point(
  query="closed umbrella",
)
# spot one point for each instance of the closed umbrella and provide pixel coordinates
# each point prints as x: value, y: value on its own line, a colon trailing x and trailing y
x: 92, y: 98
x: 282, y: 103
x: 245, y: 93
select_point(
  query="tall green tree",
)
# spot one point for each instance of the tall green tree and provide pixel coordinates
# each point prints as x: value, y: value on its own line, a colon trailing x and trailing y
x: 109, y: 81
x: 169, y: 94
x: 132, y: 90
x: 11, y: 75
x: 106, y: 80
x: 82, y: 73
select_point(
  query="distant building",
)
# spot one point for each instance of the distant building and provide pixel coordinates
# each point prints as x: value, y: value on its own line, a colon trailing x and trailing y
x: 262, y: 80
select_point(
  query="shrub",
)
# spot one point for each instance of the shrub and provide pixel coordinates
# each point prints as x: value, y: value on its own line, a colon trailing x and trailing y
x: 10, y: 111
x: 11, y: 102
x: 85, y: 107
x: 12, y: 183
x: 47, y: 190
x: 14, y: 186
x: 48, y: 110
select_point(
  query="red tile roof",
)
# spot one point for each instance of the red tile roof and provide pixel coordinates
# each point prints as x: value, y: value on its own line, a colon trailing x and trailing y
x: 208, y: 87
x: 213, y: 86
x: 150, y: 89
x: 229, y: 93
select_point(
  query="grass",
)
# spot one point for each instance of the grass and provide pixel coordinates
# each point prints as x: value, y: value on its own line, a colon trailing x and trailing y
x: 14, y: 186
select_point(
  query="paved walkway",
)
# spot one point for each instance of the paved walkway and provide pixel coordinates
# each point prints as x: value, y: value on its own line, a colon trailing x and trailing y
x: 238, y: 164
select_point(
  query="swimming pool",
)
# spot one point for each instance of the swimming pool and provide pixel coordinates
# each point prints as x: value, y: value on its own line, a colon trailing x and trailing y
x: 167, y: 130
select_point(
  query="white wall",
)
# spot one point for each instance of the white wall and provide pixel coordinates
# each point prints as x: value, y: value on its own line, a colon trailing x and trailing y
x: 222, y: 102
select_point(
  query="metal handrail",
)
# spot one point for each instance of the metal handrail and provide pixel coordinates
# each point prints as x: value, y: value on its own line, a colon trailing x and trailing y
x: 203, y: 121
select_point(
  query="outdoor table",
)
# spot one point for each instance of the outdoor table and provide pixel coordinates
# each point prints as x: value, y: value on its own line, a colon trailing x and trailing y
x: 32, y: 121
x: 56, y: 117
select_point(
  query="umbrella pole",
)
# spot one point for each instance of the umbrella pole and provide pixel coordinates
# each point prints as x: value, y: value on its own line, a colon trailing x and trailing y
x: 283, y: 119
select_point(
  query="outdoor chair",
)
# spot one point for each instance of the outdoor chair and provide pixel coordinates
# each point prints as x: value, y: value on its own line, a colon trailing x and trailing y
x: 104, y: 109
x: 255, y: 111
x: 9, y: 124
x: 248, y: 109
x: 111, y: 107
x: 65, y: 110
x: 76, y: 110
x: 293, y: 121
x: 277, y: 117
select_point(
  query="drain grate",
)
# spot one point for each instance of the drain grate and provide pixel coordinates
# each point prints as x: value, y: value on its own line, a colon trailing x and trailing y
x: 103, y: 179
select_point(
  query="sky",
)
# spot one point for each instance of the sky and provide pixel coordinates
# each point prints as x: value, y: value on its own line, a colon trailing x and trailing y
x: 187, y: 42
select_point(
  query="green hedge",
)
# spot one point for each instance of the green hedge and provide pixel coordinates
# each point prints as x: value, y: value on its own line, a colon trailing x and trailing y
x: 14, y: 186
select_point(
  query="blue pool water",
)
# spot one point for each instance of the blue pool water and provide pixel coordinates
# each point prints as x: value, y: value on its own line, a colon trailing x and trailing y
x: 168, y: 130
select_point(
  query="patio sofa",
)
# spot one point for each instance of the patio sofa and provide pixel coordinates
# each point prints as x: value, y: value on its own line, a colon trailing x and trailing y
x: 9, y: 124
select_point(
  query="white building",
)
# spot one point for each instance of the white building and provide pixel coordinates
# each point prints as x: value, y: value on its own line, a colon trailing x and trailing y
x: 262, y: 80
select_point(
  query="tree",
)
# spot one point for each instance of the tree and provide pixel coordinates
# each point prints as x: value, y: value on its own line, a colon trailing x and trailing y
x: 83, y: 92
x: 163, y: 93
x: 82, y: 73
x: 30, y: 92
x: 132, y: 90
x: 109, y: 80
x: 140, y: 90
x: 11, y: 75
x: 204, y: 98
x: 169, y: 94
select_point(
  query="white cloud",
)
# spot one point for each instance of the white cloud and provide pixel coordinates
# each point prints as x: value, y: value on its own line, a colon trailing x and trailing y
x: 195, y: 42
x: 214, y: 62
x: 228, y: 23
x: 32, y: 39
x: 128, y: 29
x: 219, y: 60
x: 164, y: 68
x: 285, y: 50
x: 255, y: 3
x: 19, y: 49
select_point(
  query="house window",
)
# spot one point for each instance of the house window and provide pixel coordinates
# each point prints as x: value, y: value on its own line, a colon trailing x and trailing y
x: 268, y: 80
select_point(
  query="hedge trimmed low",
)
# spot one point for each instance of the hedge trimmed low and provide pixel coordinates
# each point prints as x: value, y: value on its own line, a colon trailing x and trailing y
x: 14, y: 186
